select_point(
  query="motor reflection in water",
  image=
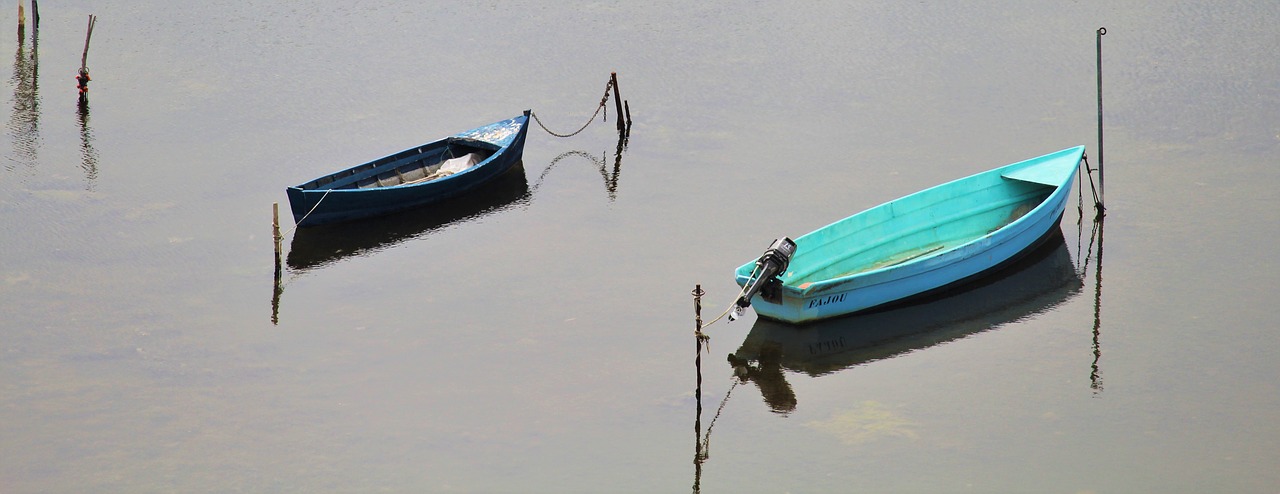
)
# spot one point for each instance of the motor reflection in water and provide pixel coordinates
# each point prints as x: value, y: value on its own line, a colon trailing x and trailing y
x: 1037, y: 282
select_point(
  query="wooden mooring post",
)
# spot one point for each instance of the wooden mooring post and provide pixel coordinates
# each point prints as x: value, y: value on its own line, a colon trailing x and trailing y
x: 617, y: 103
x: 697, y: 309
x: 277, y: 287
x: 699, y: 447
x: 697, y: 363
x: 627, y: 105
x: 275, y: 229
x: 82, y: 78
x: 22, y: 19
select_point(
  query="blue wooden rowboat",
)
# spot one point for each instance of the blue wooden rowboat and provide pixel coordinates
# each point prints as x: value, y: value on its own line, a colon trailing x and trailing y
x: 914, y: 245
x: 418, y: 176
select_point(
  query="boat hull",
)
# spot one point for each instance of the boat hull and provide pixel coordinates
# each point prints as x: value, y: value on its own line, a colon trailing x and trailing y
x: 356, y: 192
x: 921, y: 243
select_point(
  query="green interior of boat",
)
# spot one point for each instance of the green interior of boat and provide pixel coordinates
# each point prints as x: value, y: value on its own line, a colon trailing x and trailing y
x: 913, y: 227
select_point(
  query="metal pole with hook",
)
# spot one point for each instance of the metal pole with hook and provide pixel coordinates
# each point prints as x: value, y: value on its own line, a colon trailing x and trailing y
x: 1102, y: 31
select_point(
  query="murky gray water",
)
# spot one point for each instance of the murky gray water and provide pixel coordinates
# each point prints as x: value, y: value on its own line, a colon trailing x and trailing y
x: 542, y: 341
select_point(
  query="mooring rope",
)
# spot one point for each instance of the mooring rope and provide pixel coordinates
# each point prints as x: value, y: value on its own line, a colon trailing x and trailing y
x: 304, y: 217
x: 1096, y: 201
x: 603, y: 99
x: 735, y: 299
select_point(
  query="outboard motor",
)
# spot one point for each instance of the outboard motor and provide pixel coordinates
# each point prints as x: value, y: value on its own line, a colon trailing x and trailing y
x: 772, y: 263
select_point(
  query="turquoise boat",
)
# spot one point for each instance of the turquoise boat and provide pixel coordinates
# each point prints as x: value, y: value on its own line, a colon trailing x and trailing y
x: 1037, y: 282
x: 919, y: 244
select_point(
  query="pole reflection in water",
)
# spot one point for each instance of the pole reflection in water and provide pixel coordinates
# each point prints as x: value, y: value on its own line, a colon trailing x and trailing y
x: 277, y: 290
x: 702, y: 443
x: 1095, y: 371
x: 1041, y: 280
x: 88, y: 155
x: 24, y: 122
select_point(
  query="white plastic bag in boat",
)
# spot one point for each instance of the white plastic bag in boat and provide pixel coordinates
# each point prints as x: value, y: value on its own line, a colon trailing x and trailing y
x: 455, y: 165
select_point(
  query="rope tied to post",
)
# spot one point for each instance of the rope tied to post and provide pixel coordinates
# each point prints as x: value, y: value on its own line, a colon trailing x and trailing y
x: 603, y: 99
x: 298, y: 223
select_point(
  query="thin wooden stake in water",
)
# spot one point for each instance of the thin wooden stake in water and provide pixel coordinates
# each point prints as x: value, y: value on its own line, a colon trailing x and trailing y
x: 275, y: 228
x: 278, y: 288
x: 82, y: 78
x: 699, y: 451
x: 617, y: 102
x: 627, y: 106
x: 1102, y: 187
x: 22, y: 23
x: 697, y: 333
x: 84, y: 58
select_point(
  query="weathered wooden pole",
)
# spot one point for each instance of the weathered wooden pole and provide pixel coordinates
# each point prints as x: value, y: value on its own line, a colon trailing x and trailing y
x: 697, y: 308
x: 35, y: 16
x: 699, y: 453
x: 617, y: 102
x: 278, y: 287
x: 82, y: 78
x: 84, y: 58
x: 697, y: 363
x: 22, y: 23
x: 275, y: 229
x: 627, y: 106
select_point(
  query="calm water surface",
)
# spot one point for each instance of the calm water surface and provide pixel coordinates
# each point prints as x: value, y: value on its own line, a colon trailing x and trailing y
x: 541, y: 340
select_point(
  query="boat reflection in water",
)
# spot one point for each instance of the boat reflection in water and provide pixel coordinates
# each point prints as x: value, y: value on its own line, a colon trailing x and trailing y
x: 1039, y: 281
x: 318, y: 246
